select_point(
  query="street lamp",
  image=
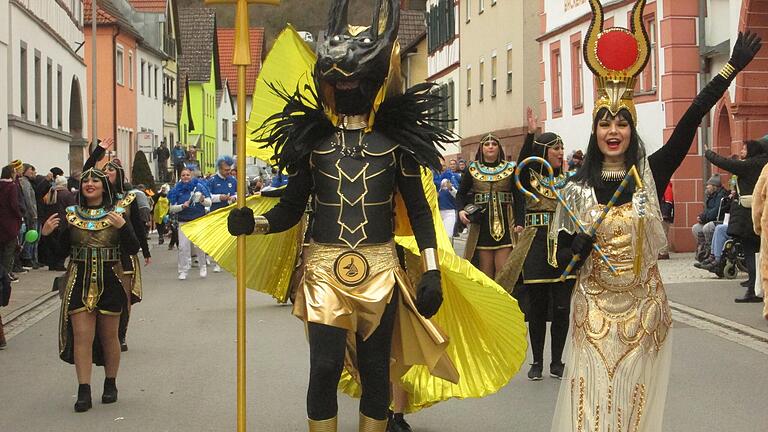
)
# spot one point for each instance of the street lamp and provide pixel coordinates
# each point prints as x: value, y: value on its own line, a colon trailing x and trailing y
x: 241, y: 59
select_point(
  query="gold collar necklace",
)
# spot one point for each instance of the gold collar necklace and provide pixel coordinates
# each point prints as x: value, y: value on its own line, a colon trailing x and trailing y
x: 613, y: 171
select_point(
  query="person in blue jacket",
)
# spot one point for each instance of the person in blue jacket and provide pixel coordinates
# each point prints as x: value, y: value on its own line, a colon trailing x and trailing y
x: 222, y: 185
x: 223, y: 189
x: 188, y: 200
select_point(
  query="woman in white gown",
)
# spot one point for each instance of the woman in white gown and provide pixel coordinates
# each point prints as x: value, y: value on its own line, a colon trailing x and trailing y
x: 618, y: 355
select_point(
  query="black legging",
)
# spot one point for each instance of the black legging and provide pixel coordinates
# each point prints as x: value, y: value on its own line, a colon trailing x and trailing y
x: 750, y: 248
x: 540, y: 297
x: 327, y: 347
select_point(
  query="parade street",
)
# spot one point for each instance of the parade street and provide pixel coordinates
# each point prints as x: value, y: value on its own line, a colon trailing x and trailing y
x: 179, y: 374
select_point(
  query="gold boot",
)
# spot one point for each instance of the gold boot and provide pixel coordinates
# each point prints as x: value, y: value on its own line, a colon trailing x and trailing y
x: 368, y: 424
x: 323, y: 425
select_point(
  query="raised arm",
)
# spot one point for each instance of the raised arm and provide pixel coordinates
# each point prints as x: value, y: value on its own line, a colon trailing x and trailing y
x: 666, y: 160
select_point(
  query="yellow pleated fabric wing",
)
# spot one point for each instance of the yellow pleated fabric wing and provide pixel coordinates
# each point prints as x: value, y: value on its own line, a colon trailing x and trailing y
x: 270, y: 258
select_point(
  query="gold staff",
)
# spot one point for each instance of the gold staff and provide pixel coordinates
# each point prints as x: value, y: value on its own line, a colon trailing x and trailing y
x: 241, y: 59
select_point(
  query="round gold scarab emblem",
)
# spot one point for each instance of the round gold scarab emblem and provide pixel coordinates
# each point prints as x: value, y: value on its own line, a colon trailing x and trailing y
x: 351, y: 268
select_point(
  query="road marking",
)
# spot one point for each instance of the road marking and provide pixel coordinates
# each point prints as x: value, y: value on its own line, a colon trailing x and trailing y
x: 31, y: 314
x: 721, y: 327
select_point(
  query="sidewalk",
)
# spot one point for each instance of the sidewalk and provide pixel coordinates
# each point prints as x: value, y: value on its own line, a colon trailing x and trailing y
x: 31, y: 286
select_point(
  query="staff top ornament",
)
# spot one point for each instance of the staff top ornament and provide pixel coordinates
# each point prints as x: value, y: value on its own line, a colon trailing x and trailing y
x: 616, y: 56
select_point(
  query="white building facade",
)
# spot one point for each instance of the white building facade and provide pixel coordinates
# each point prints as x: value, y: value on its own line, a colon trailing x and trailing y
x: 443, y: 61
x: 44, y: 83
x: 149, y: 102
x: 690, y: 42
x: 227, y: 118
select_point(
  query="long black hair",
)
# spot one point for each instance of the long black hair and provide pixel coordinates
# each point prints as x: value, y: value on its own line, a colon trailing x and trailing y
x: 590, y: 172
x: 479, y: 155
x: 108, y: 199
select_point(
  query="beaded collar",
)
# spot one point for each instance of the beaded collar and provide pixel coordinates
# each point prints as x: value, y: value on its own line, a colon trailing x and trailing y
x: 613, y: 171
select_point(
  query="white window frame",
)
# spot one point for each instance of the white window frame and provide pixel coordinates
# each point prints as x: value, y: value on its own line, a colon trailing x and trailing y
x: 509, y: 60
x: 130, y: 70
x: 481, y: 79
x: 469, y: 85
x: 494, y: 74
x: 119, y: 65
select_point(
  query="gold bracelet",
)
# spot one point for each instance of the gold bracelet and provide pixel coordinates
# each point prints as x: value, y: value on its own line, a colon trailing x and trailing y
x: 727, y: 71
x: 262, y: 225
x: 429, y: 260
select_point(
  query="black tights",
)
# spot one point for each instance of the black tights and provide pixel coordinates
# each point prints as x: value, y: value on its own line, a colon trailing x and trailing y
x: 327, y: 347
x: 540, y: 296
x: 750, y: 249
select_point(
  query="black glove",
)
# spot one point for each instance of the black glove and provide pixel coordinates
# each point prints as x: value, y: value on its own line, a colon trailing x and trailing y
x: 241, y: 221
x: 582, y: 245
x: 430, y: 295
x: 745, y: 49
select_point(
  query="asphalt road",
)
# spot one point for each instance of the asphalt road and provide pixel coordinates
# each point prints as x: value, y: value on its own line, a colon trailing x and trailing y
x: 179, y: 374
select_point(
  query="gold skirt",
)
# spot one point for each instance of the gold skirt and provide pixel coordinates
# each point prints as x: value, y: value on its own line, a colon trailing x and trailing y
x: 350, y: 289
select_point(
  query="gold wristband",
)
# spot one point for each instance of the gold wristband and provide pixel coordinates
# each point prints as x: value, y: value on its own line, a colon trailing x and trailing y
x: 429, y: 260
x: 262, y: 225
x: 728, y: 71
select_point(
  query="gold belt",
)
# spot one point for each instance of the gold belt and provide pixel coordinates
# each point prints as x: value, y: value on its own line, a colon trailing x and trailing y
x: 485, y: 198
x: 537, y: 219
x: 100, y: 254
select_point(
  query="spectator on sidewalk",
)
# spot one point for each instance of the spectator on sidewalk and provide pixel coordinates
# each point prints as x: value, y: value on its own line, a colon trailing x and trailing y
x: 714, y: 194
x: 10, y: 219
x: 446, y: 200
x: 740, y: 222
x: 667, y: 205
x: 178, y: 157
x: 28, y: 181
x: 162, y: 154
x: 56, y: 201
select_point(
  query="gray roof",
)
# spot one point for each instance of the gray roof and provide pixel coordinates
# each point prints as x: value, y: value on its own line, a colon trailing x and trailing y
x: 412, y: 27
x: 198, y: 34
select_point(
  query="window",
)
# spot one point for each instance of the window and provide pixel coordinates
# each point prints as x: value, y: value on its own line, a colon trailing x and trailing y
x: 23, y: 78
x: 441, y: 25
x: 225, y: 130
x: 156, y: 78
x: 556, y: 70
x: 130, y: 70
x: 481, y: 77
x: 49, y: 92
x: 59, y: 93
x: 509, y: 69
x: 481, y: 6
x: 450, y: 108
x: 469, y: 85
x: 38, y: 86
x: 119, y: 65
x: 141, y: 76
x: 648, y: 76
x: 577, y: 81
x: 494, y: 77
x: 469, y: 10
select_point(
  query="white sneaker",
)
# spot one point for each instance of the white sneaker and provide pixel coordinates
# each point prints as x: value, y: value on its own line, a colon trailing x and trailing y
x: 183, y: 276
x: 217, y: 268
x: 203, y: 272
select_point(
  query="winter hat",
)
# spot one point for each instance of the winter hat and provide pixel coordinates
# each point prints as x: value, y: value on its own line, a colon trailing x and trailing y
x: 715, y: 180
x: 56, y: 171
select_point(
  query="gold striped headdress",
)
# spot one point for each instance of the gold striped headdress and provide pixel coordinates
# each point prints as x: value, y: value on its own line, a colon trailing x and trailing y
x: 616, y: 56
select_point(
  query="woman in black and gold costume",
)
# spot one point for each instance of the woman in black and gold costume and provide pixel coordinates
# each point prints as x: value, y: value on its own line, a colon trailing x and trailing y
x: 491, y: 206
x: 131, y: 276
x: 542, y: 287
x: 619, y: 353
x: 95, y: 236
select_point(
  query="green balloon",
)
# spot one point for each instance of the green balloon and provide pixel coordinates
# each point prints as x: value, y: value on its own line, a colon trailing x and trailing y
x: 31, y: 236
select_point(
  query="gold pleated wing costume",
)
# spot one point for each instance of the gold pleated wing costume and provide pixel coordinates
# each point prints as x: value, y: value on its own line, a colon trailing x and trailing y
x: 483, y: 324
x: 271, y: 258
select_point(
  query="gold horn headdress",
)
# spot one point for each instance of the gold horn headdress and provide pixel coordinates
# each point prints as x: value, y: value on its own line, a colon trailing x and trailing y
x: 616, y: 56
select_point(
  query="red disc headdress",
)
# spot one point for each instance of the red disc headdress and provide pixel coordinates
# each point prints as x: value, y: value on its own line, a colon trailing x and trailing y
x: 616, y: 56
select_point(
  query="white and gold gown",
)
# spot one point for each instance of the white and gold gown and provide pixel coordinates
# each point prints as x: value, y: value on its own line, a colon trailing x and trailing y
x: 618, y: 355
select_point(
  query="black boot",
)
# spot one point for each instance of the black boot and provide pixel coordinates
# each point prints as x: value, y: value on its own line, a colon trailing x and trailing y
x: 703, y: 264
x: 749, y: 297
x: 534, y: 374
x: 397, y: 423
x: 83, y: 403
x: 110, y: 391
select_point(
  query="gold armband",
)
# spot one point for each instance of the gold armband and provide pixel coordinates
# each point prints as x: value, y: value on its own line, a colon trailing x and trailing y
x: 728, y: 71
x: 262, y: 225
x: 429, y: 260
